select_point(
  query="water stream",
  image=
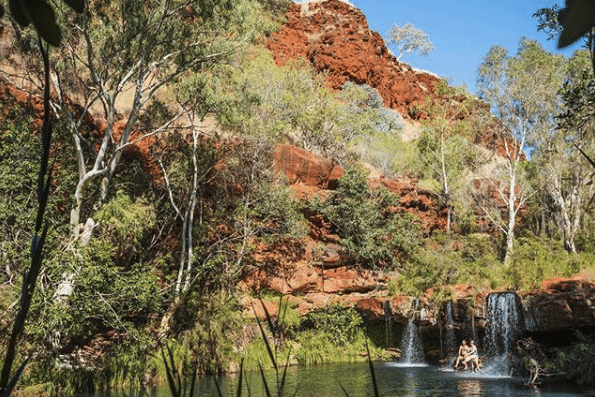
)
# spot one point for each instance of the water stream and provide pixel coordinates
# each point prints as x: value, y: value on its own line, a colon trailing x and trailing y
x: 450, y: 339
x: 504, y: 328
x: 411, y: 349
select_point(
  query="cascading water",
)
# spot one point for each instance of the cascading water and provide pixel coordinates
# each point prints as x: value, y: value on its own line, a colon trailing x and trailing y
x: 411, y: 349
x: 450, y: 339
x: 503, y: 330
x: 504, y: 323
x: 388, y: 316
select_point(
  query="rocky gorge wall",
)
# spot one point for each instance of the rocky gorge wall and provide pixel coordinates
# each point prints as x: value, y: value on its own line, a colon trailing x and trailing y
x: 315, y: 274
x: 334, y: 36
x: 549, y: 313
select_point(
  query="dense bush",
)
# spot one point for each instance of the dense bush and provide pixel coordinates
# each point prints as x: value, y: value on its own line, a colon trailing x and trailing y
x: 445, y: 260
x: 578, y: 363
x: 19, y: 165
x: 291, y: 104
x: 535, y: 259
x: 374, y: 234
x: 341, y: 324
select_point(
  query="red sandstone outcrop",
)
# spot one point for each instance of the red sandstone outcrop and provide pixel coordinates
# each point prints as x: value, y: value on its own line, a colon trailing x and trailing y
x: 301, y: 167
x: 308, y: 173
x: 560, y: 304
x: 335, y: 38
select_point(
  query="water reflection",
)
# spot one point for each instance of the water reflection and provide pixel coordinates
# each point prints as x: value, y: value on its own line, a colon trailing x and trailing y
x: 469, y: 388
x: 393, y: 381
x: 410, y: 384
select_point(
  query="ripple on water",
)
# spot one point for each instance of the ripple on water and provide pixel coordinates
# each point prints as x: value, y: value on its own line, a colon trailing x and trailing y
x: 407, y: 365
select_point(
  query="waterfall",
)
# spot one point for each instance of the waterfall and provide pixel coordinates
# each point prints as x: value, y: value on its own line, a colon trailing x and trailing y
x: 504, y: 323
x: 411, y: 349
x: 503, y: 330
x: 450, y: 339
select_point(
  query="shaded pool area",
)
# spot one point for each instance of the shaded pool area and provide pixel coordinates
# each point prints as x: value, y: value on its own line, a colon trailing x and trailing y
x: 394, y: 379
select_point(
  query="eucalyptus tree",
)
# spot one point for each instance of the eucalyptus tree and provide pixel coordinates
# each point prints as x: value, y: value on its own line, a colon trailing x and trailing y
x: 522, y: 93
x: 408, y: 39
x: 574, y: 187
x: 568, y: 180
x: 117, y: 59
x: 445, y: 150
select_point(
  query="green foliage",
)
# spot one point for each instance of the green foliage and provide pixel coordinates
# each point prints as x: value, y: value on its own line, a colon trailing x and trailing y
x: 291, y: 103
x: 19, y: 163
x: 536, y: 259
x: 341, y: 324
x: 313, y: 348
x: 448, y: 260
x: 121, y: 367
x: 407, y: 39
x: 383, y: 146
x: 521, y: 89
x: 105, y: 295
x: 365, y: 101
x: 106, y: 300
x: 375, y: 235
x: 279, y: 208
x: 19, y: 156
x: 123, y: 219
x: 251, y: 198
x: 578, y: 363
x: 208, y: 330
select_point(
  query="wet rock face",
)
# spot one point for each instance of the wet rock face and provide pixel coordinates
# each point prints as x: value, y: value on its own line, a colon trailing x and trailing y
x: 562, y: 304
x: 336, y: 39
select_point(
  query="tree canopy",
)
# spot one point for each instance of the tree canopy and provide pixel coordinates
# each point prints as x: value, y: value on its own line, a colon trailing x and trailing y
x: 408, y: 39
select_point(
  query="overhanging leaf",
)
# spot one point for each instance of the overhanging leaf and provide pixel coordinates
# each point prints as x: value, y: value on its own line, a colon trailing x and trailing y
x: 77, y: 5
x: 44, y: 20
x: 18, y: 12
x: 577, y: 18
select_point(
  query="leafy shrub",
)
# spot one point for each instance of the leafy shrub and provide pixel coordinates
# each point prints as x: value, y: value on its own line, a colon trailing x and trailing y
x: 20, y: 155
x: 446, y: 260
x: 291, y: 104
x: 578, y: 363
x: 123, y: 219
x: 333, y: 334
x: 535, y: 259
x: 374, y: 235
x: 339, y: 323
x: 209, y: 330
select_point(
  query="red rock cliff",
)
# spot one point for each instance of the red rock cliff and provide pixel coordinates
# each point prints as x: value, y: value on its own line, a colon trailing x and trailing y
x: 335, y: 38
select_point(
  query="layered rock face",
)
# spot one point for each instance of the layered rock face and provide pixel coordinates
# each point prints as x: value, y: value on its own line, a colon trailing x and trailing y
x: 560, y: 305
x: 335, y: 38
x: 315, y: 273
x: 494, y: 319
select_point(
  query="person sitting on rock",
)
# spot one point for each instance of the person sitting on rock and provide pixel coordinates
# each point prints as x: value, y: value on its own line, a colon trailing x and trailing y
x: 472, y: 357
x: 461, y: 354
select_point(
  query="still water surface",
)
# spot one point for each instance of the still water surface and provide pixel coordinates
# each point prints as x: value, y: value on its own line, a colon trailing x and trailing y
x: 393, y: 380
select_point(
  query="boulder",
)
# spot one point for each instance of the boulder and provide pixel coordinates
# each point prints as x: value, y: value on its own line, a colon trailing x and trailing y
x: 302, y: 167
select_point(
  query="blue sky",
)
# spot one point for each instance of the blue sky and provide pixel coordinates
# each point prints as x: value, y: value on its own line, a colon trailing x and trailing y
x: 462, y: 31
